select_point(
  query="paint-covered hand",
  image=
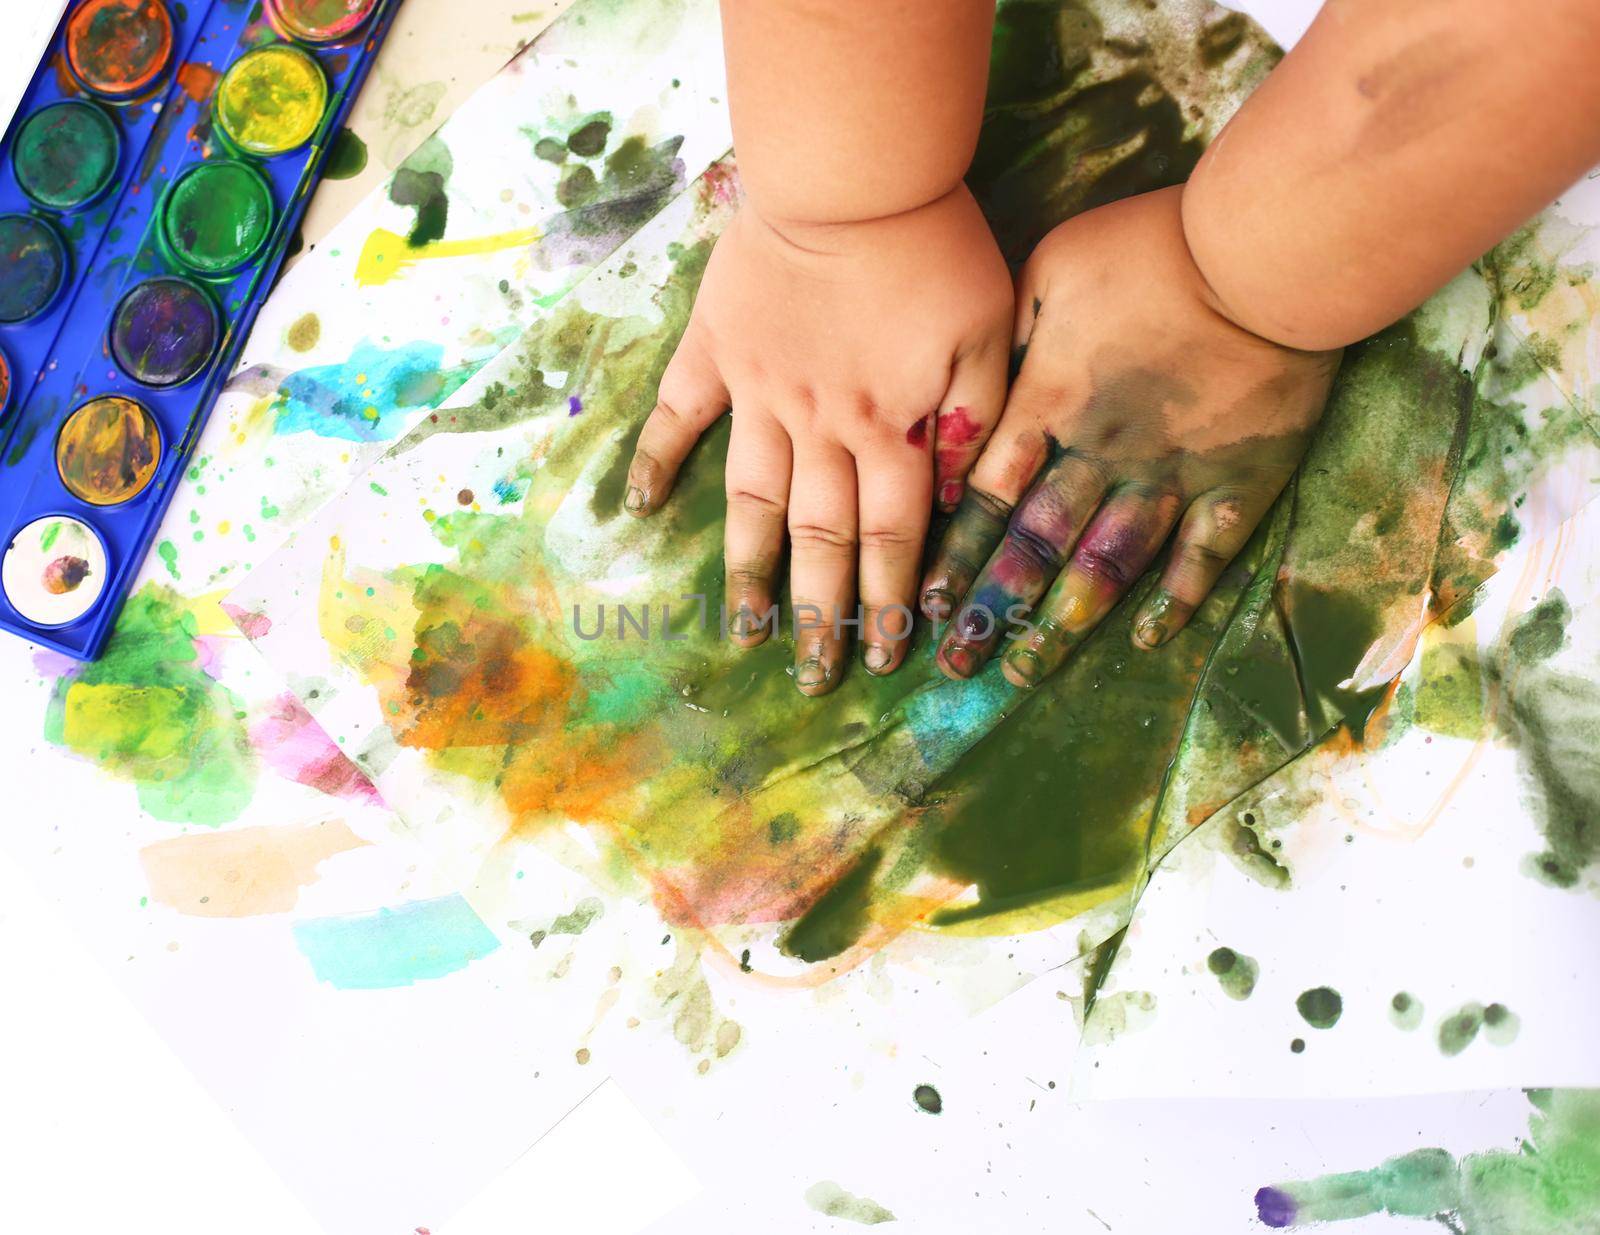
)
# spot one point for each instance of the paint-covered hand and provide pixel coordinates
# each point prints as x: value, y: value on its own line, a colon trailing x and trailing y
x: 865, y: 364
x: 1139, y: 408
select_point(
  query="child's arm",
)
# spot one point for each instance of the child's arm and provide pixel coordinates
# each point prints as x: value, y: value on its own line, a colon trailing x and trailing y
x: 856, y: 314
x: 1181, y: 343
x: 1394, y: 145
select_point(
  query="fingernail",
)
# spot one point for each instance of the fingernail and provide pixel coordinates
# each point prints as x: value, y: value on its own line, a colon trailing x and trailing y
x: 876, y: 657
x: 1025, y: 664
x: 950, y: 493
x: 1150, y: 633
x: 811, y: 673
x: 633, y: 500
x: 961, y: 660
x: 937, y: 604
x: 744, y: 622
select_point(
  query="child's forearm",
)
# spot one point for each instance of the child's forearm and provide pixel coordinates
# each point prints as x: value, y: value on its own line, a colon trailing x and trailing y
x: 854, y: 109
x: 1391, y: 148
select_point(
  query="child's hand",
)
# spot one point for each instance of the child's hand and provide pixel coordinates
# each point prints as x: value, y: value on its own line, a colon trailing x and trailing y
x: 865, y: 363
x: 1139, y: 408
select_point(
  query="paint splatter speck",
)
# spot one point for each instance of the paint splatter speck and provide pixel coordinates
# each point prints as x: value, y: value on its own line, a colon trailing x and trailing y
x: 1321, y: 1007
x: 928, y: 1099
x: 65, y: 574
x: 1235, y: 972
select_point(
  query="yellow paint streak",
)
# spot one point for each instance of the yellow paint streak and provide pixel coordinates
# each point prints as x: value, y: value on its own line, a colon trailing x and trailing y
x: 242, y: 873
x: 386, y: 254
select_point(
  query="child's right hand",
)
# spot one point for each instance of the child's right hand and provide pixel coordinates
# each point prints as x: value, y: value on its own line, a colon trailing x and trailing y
x: 865, y: 363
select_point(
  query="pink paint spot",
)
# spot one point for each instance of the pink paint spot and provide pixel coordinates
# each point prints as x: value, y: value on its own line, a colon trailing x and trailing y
x: 251, y: 625
x: 295, y: 746
x: 950, y: 492
x: 958, y: 428
x: 917, y: 434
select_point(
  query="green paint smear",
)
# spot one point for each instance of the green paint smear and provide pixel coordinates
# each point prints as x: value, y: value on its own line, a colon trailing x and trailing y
x: 347, y: 158
x: 829, y: 1199
x: 147, y: 712
x: 1548, y: 1185
x: 1460, y: 1028
x: 397, y: 946
x: 1235, y: 972
x: 928, y: 1099
x: 749, y: 803
x: 1321, y: 1007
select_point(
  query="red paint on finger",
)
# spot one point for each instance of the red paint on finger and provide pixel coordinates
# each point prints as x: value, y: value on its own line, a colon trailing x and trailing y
x: 917, y: 434
x: 957, y: 427
x: 950, y: 492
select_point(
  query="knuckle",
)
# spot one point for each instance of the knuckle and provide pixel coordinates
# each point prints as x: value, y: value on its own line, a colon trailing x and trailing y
x: 819, y: 539
x: 890, y: 539
x: 751, y: 502
x: 1098, y: 563
x: 1032, y: 547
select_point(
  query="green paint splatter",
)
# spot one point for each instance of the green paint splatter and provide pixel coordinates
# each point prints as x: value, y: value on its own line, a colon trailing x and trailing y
x: 420, y: 183
x: 347, y: 159
x: 148, y: 712
x: 582, y: 916
x: 1548, y: 1185
x: 168, y: 553
x: 1320, y: 1007
x: 1235, y: 972
x: 928, y: 1099
x: 1405, y: 1011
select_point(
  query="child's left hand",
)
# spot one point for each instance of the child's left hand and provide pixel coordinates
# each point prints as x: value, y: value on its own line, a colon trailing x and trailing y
x: 1139, y: 408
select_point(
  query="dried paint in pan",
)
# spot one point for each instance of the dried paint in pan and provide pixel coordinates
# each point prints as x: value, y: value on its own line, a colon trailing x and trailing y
x: 217, y: 217
x: 119, y: 48
x: 54, y: 570
x: 108, y: 451
x: 164, y: 332
x: 319, y: 21
x: 271, y: 100
x: 35, y: 263
x: 65, y: 155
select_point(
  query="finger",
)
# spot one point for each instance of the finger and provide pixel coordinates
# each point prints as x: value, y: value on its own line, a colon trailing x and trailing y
x: 966, y: 417
x: 691, y: 396
x: 1038, y: 540
x: 1120, y: 542
x: 760, y: 460
x: 895, y: 512
x: 822, y: 560
x: 1214, y: 529
x: 1013, y: 458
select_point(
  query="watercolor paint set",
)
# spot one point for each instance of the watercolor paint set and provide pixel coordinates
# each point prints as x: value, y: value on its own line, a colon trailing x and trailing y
x: 150, y: 185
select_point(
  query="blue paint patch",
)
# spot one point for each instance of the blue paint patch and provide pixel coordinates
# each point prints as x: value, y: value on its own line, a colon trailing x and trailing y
x: 367, y: 398
x: 508, y: 490
x: 947, y: 718
x: 397, y: 946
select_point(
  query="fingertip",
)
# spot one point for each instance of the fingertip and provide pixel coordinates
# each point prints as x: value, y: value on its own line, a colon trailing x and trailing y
x: 815, y: 676
x: 936, y: 603
x: 636, y: 501
x: 1022, y: 668
x: 881, y: 659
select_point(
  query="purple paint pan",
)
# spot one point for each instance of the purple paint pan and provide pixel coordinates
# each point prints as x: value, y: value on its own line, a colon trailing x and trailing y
x: 164, y: 332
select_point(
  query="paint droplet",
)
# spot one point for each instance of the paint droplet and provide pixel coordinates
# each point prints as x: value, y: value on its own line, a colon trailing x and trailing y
x: 583, y: 1055
x: 1405, y: 1011
x: 465, y: 497
x: 917, y: 434
x: 347, y: 159
x: 1235, y: 972
x: 304, y: 332
x: 927, y: 1097
x: 1321, y: 1007
x: 1298, y: 1045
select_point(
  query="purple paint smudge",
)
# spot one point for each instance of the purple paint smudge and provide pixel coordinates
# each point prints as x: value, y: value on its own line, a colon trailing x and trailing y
x: 1275, y: 1207
x: 574, y: 405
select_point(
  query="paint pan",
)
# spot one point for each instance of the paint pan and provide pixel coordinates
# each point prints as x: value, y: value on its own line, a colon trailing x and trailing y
x: 164, y: 332
x: 108, y: 450
x: 119, y: 49
x: 271, y: 100
x: 141, y: 230
x: 319, y: 21
x: 217, y: 217
x: 33, y: 265
x: 54, y: 570
x: 66, y: 155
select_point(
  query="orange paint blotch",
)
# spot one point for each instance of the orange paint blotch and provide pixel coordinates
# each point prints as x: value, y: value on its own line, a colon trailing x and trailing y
x: 198, y: 81
x: 242, y: 873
